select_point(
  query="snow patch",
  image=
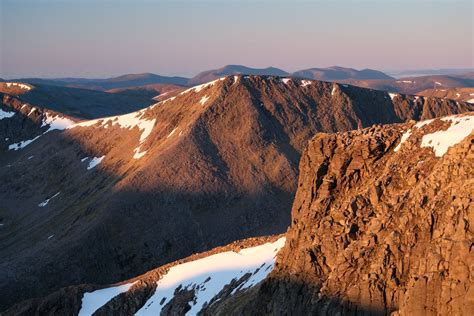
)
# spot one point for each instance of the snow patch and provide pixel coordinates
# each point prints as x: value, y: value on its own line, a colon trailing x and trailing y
x: 31, y: 111
x: 285, y: 80
x: 440, y: 141
x: 204, y: 99
x: 127, y: 121
x: 92, y: 301
x: 94, y: 162
x: 202, y: 86
x: 22, y: 144
x: 45, y: 202
x: 4, y: 114
x: 393, y: 95
x: 438, y: 83
x: 172, y: 132
x: 17, y: 84
x: 405, y: 81
x: 423, y: 123
x: 209, y: 275
x: 305, y: 83
x: 470, y: 100
x: 138, y: 154
x: 56, y: 122
x: 333, y: 91
x: 404, y: 138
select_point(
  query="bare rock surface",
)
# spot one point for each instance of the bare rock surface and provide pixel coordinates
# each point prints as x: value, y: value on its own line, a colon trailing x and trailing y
x: 377, y: 228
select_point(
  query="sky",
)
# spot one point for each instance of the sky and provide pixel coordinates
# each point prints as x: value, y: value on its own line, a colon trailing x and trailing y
x: 104, y: 38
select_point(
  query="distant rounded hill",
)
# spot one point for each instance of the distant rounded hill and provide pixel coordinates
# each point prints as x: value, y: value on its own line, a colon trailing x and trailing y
x: 213, y: 74
x: 340, y: 73
x: 129, y: 80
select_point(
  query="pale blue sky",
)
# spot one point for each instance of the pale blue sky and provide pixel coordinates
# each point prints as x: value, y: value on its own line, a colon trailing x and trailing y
x: 85, y: 38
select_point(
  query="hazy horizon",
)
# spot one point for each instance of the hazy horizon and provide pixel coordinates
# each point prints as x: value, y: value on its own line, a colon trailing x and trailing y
x: 100, y: 39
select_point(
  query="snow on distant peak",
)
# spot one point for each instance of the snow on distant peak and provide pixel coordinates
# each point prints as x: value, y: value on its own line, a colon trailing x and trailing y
x: 393, y: 95
x: 460, y: 127
x: 94, y: 162
x: 209, y: 275
x: 19, y: 85
x: 4, y: 114
x: 45, y: 202
x: 92, y: 301
x: 404, y: 81
x: 304, y: 83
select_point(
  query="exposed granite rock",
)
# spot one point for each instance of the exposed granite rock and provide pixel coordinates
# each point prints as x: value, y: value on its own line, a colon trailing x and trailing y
x: 375, y: 231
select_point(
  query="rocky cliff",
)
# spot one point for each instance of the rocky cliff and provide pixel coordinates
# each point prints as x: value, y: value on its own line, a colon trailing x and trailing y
x: 382, y: 223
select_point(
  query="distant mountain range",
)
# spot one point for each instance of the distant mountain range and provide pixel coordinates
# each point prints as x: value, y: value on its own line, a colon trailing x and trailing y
x: 129, y: 80
x: 151, y: 85
x: 133, y: 80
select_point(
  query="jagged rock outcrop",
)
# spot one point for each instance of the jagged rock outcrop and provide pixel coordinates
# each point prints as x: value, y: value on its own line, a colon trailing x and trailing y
x: 105, y: 200
x: 382, y: 224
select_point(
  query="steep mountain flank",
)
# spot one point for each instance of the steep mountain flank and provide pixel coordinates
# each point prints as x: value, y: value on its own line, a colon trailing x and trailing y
x: 382, y: 222
x: 104, y: 200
